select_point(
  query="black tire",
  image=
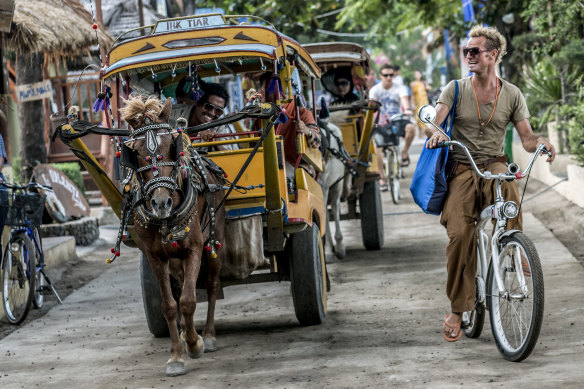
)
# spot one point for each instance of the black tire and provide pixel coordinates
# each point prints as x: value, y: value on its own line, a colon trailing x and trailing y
x: 392, y: 174
x: 152, y: 299
x: 371, y: 216
x: 40, y: 282
x: 476, y: 319
x: 18, y: 278
x: 527, y: 310
x: 308, y: 276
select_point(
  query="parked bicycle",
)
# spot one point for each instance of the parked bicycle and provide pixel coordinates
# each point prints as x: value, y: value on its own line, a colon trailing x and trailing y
x: 509, y: 275
x: 24, y: 280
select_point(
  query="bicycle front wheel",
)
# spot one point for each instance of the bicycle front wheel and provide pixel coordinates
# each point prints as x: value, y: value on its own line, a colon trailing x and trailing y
x: 18, y: 278
x: 516, y: 313
x: 393, y: 175
x: 40, y: 282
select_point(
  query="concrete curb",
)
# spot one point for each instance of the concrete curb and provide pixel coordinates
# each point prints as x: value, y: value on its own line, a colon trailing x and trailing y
x: 564, y: 166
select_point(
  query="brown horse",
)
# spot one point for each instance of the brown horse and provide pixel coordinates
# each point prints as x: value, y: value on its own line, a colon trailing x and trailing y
x: 175, y: 193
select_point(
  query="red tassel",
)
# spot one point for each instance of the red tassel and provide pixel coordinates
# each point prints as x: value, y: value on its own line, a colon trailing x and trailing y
x: 118, y: 154
x: 219, y: 245
x: 94, y: 26
x: 117, y: 253
x: 208, y: 248
x: 113, y: 250
x: 174, y: 244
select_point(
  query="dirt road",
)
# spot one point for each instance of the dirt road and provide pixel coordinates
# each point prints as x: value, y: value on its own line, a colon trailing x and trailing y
x: 382, y: 329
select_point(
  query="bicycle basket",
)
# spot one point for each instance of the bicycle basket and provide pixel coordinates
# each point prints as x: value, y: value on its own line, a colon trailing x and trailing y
x: 26, y: 209
x: 384, y: 136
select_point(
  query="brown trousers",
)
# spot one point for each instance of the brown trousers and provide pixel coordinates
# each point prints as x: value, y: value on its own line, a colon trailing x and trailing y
x: 467, y: 196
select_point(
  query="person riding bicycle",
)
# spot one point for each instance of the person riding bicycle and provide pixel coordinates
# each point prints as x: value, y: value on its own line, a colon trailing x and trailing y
x: 394, y: 100
x: 485, y: 105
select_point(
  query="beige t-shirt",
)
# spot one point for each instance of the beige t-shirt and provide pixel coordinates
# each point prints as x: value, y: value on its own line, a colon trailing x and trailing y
x: 489, y: 141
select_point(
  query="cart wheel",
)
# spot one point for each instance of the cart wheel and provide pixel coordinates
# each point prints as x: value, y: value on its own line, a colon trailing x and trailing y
x: 308, y: 276
x: 371, y: 216
x: 152, y: 299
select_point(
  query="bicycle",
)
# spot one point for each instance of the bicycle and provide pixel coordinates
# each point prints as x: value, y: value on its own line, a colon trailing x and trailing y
x: 387, y: 137
x: 24, y: 281
x: 509, y: 275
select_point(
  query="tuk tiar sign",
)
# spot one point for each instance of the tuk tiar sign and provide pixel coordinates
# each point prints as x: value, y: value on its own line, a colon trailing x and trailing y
x: 175, y: 25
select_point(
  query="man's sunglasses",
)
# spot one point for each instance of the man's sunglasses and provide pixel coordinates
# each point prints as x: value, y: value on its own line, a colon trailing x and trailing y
x: 387, y: 74
x: 473, y: 51
x: 218, y: 111
x: 342, y: 83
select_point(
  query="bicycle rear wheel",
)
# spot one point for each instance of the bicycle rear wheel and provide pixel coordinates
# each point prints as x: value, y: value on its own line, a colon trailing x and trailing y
x: 516, y: 314
x: 475, y: 318
x: 18, y: 278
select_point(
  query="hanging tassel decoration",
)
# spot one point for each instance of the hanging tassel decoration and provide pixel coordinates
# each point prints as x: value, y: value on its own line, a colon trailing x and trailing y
x: 103, y: 100
x: 324, y: 111
x: 275, y: 84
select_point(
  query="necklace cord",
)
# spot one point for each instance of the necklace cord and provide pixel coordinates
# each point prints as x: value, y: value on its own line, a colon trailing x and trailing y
x: 477, y: 101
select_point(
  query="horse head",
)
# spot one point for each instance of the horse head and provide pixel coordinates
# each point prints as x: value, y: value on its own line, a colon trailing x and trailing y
x: 157, y: 151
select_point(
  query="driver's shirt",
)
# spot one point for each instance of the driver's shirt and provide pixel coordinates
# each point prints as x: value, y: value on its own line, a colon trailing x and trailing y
x: 390, y: 100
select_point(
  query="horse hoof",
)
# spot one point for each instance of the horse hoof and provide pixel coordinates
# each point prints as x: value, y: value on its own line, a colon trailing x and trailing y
x: 175, y: 368
x: 329, y: 258
x: 210, y: 344
x: 340, y: 254
x: 194, y: 354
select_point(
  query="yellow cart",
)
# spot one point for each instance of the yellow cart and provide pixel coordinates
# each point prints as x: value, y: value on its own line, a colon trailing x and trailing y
x: 290, y: 205
x: 357, y: 126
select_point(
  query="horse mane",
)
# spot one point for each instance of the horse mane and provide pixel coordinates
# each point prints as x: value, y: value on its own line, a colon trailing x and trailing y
x: 138, y: 107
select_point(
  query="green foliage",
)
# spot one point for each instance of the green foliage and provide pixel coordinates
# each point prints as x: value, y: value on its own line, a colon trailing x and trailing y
x: 73, y: 171
x: 15, y: 163
x: 576, y: 136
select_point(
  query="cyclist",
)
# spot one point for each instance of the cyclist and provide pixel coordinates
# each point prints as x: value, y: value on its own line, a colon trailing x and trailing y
x: 485, y: 105
x: 394, y: 100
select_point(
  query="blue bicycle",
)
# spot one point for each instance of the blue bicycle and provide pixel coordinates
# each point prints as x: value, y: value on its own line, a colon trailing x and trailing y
x: 24, y: 281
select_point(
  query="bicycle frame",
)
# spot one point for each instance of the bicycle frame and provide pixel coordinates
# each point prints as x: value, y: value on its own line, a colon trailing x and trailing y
x: 495, y: 212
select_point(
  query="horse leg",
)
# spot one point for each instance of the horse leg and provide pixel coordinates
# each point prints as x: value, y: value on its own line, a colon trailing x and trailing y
x: 192, y: 342
x: 175, y: 365
x: 340, y: 251
x: 328, y: 239
x: 213, y: 284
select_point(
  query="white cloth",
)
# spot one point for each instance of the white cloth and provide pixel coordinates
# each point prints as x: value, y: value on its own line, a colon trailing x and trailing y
x: 390, y: 100
x: 398, y: 80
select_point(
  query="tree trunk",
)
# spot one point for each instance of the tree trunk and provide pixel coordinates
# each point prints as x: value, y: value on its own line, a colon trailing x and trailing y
x: 32, y: 132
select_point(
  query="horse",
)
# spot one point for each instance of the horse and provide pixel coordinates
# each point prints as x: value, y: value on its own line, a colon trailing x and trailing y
x: 333, y: 181
x: 175, y: 193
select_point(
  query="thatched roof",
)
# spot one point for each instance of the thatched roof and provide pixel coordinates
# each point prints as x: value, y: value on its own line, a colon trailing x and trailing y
x: 58, y: 28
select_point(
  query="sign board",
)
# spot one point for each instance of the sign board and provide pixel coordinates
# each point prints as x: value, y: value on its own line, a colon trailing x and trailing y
x: 6, y: 13
x: 68, y: 200
x: 36, y: 91
x: 174, y: 25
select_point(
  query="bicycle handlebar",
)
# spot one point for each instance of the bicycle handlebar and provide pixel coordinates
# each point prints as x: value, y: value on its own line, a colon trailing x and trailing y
x: 488, y: 175
x: 30, y: 185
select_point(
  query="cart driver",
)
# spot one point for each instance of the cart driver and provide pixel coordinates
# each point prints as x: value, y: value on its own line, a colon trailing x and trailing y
x: 209, y: 107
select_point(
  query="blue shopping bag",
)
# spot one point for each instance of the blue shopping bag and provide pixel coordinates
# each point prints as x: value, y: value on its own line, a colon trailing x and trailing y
x: 429, y: 186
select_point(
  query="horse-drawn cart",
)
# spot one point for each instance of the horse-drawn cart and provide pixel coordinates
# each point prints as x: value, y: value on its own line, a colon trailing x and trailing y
x: 288, y: 205
x: 353, y: 113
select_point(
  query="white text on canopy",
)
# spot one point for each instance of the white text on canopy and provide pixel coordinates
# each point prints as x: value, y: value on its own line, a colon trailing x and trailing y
x: 189, y: 23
